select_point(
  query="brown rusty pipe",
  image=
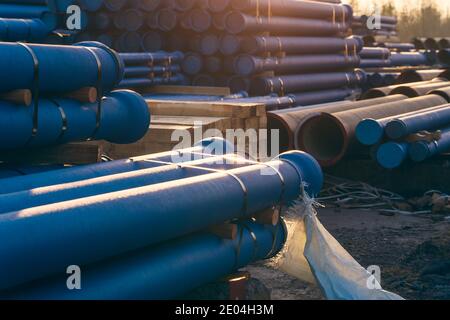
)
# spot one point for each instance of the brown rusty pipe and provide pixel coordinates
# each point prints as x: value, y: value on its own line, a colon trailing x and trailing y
x: 409, y: 76
x: 443, y: 92
x: 417, y: 91
x: 385, y: 91
x: 329, y: 136
x: 288, y: 120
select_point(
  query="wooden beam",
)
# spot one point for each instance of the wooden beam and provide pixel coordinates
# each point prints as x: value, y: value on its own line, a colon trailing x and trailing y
x: 269, y: 216
x: 21, y: 97
x: 225, y: 231
x: 72, y: 153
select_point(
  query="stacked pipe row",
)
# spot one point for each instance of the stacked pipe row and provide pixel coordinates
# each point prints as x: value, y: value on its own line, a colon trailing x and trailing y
x: 147, y: 69
x: 246, y: 45
x: 382, y: 57
x: 150, y: 217
x: 418, y: 135
x: 327, y: 131
x: 25, y: 20
x: 47, y: 76
x: 373, y: 27
x: 431, y: 43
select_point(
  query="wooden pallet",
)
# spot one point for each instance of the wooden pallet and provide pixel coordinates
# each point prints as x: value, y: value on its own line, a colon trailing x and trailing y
x: 192, y: 116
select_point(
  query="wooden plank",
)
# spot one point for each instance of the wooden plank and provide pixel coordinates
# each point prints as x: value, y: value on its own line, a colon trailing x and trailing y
x: 72, y: 153
x: 202, y: 108
x: 209, y: 91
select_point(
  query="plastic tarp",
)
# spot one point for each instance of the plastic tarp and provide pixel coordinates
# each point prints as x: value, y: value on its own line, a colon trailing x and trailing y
x: 313, y: 255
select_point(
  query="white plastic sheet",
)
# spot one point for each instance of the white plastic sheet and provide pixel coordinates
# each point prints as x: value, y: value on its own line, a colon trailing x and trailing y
x: 312, y: 254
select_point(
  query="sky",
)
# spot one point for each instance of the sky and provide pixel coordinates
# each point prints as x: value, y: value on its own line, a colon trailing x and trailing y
x: 444, y: 4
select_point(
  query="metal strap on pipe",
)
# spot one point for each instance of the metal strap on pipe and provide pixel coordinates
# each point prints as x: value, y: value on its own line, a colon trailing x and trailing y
x: 99, y: 91
x: 34, y: 89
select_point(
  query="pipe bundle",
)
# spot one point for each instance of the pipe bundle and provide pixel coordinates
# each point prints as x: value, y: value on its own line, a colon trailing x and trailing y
x: 146, y: 69
x: 374, y: 28
x: 382, y: 57
x: 139, y: 209
x: 230, y: 43
x: 33, y: 20
x: 55, y: 113
x: 416, y: 135
x: 431, y: 43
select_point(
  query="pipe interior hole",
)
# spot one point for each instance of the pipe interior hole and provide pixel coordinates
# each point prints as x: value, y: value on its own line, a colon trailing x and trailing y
x: 323, y: 138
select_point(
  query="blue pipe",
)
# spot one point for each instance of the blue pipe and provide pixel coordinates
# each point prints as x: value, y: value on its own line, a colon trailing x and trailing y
x: 207, y: 146
x: 421, y: 150
x: 147, y: 82
x: 369, y: 132
x: 54, y: 236
x: 124, y: 119
x: 148, y: 58
x: 391, y: 155
x: 61, y: 68
x: 405, y: 125
x: 90, y: 5
x: 116, y: 182
x: 29, y: 12
x: 160, y: 273
x: 23, y: 30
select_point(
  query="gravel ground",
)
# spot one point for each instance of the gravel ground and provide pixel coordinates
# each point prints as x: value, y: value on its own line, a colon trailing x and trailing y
x: 412, y: 251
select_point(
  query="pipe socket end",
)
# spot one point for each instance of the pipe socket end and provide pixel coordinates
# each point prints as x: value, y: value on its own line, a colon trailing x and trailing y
x: 308, y: 168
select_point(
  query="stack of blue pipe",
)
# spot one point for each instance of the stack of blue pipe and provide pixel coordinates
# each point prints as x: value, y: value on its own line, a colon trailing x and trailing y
x: 223, y: 46
x: 36, y: 20
x: 53, y: 72
x: 137, y: 227
x: 391, y: 140
x: 146, y: 69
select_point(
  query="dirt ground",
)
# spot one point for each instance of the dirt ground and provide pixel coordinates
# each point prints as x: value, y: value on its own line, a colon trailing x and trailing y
x: 412, y: 251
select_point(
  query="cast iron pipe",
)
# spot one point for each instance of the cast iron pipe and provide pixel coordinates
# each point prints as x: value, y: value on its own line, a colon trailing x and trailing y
x: 151, y: 58
x: 306, y: 82
x: 375, y: 53
x: 140, y: 217
x: 370, y: 132
x: 237, y: 22
x: 116, y: 182
x: 421, y: 150
x: 330, y: 136
x: 61, y: 68
x: 419, y: 75
x: 385, y: 91
x: 23, y: 30
x: 213, y: 146
x: 247, y: 65
x: 416, y: 91
x: 154, y: 81
x: 137, y: 72
x: 160, y: 272
x: 408, y: 59
x: 301, y: 45
x: 444, y: 56
x: 305, y: 9
x: 124, y: 118
x: 392, y: 154
x: 403, y: 126
x: 323, y: 96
